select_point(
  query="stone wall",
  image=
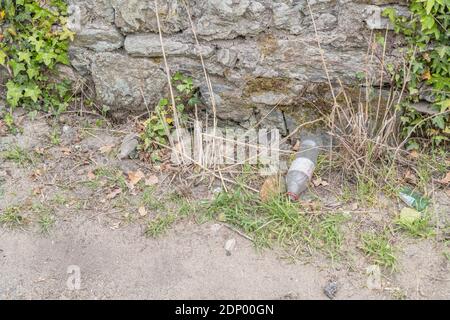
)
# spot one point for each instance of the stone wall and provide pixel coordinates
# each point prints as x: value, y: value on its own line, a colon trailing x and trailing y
x: 260, y: 54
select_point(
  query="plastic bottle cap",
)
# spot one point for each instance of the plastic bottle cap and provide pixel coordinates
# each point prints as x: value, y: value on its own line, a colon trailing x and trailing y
x: 293, y: 196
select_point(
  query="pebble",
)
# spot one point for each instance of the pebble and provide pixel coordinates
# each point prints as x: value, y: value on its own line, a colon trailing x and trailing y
x: 229, y: 246
x: 129, y: 146
x: 331, y: 289
x: 373, y: 277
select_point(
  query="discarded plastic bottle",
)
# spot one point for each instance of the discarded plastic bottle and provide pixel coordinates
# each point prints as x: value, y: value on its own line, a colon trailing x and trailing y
x: 301, y: 170
x: 413, y: 199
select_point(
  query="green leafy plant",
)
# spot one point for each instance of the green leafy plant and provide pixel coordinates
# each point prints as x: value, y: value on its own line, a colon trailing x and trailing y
x: 34, y: 41
x: 427, y: 32
x: 379, y: 248
x: 160, y: 123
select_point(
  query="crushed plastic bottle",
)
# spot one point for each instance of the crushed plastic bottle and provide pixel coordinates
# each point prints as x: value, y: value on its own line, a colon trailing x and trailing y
x: 414, y: 199
x: 301, y: 170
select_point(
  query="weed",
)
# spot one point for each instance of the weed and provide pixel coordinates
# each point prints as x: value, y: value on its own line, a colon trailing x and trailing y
x: 419, y: 228
x: 330, y: 235
x: 46, y: 221
x: 366, y: 190
x: 60, y: 199
x: 446, y: 255
x: 150, y: 201
x: 278, y: 222
x: 379, y: 249
x: 159, y: 225
x: 18, y: 155
x: 55, y: 137
x: 399, y: 294
x: 183, y: 207
x: 11, y: 217
x: 110, y: 177
x: 165, y: 117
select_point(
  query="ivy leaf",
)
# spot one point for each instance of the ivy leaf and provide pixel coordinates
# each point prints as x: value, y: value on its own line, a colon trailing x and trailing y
x: 430, y: 5
x: 66, y: 34
x: 3, y: 57
x: 16, y: 67
x: 427, y: 22
x: 32, y: 72
x: 445, y: 104
x: 33, y: 92
x: 25, y: 56
x: 46, y: 57
x: 38, y: 44
x: 14, y: 93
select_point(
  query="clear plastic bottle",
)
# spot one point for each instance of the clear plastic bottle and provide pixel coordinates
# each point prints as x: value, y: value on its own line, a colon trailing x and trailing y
x: 301, y: 170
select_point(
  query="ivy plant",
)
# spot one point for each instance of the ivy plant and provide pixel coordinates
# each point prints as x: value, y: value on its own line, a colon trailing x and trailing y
x: 427, y: 32
x: 161, y: 122
x: 33, y: 41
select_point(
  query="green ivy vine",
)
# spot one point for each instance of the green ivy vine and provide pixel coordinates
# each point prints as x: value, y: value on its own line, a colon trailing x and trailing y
x: 34, y: 39
x: 427, y: 32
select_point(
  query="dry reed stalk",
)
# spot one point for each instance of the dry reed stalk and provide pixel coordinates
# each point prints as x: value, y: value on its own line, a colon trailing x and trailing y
x: 172, y: 96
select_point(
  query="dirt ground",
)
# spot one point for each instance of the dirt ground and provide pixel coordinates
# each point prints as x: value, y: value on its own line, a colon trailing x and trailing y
x: 100, y: 230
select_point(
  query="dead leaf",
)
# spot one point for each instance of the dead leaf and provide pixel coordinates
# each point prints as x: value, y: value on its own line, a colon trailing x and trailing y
x: 135, y: 177
x: 36, y: 174
x: 273, y: 186
x: 114, y: 193
x: 142, y: 211
x: 39, y: 150
x: 66, y: 151
x: 414, y: 154
x: 319, y: 182
x: 3, y: 128
x: 151, y: 181
x: 310, y: 205
x: 91, y: 176
x: 354, y: 206
x: 106, y: 149
x: 296, y: 147
x: 446, y: 179
x: 426, y: 75
x: 410, y: 177
x: 37, y: 191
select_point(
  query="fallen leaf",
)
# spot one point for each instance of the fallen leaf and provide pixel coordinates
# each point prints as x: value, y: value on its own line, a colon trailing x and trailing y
x: 273, y: 186
x: 115, y: 226
x: 414, y: 154
x: 39, y: 150
x: 142, y: 211
x: 37, y: 191
x: 319, y: 182
x: 135, y: 177
x: 151, y: 181
x: 354, y: 206
x: 446, y: 179
x: 408, y: 215
x: 426, y: 75
x: 410, y: 177
x: 66, y: 151
x: 222, y: 217
x: 106, y: 149
x: 296, y: 147
x: 309, y: 205
x: 114, y: 193
x: 91, y: 176
x: 36, y: 174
